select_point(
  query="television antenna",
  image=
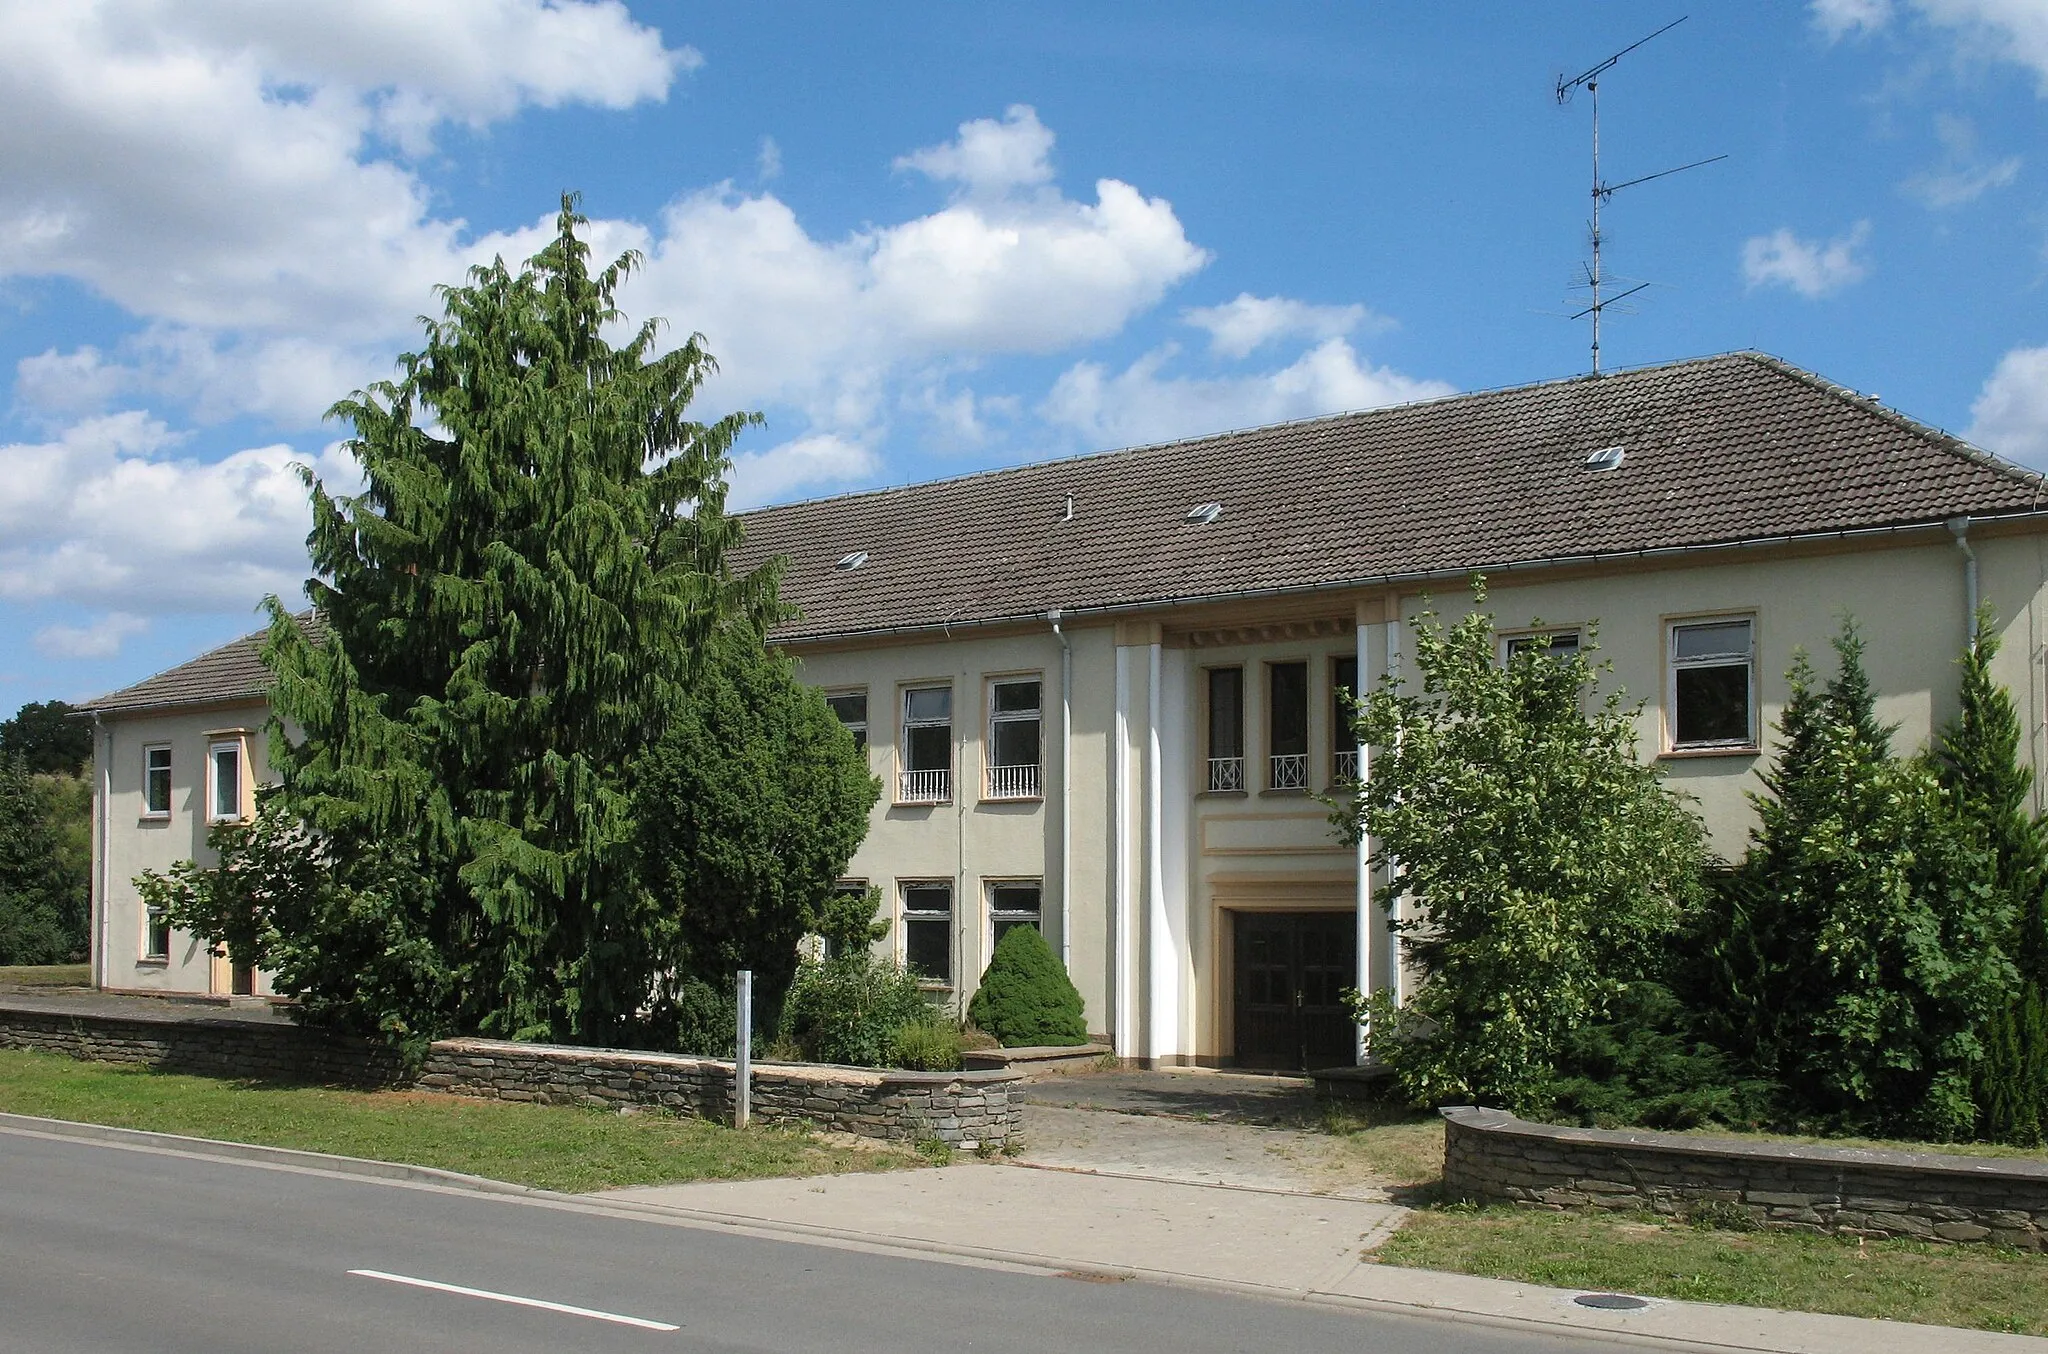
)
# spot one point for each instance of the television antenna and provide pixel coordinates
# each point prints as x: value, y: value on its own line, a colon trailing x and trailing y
x: 1602, y: 190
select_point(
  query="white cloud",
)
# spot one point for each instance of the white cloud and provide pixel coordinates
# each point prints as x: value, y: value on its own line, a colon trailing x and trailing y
x: 822, y: 459
x: 1810, y: 267
x: 78, y: 382
x: 1239, y: 326
x: 2010, y: 415
x: 1142, y: 404
x: 768, y: 164
x: 1964, y: 175
x: 1839, y: 18
x: 105, y: 515
x: 99, y: 639
x: 990, y: 156
x: 1987, y: 30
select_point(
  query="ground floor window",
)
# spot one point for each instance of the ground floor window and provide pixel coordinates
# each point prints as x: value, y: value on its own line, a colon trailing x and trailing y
x: 848, y: 890
x: 928, y: 930
x: 1013, y: 903
x: 156, y: 934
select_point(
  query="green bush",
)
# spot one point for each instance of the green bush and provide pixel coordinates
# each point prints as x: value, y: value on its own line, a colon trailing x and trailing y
x: 1026, y: 998
x: 1647, y: 1065
x: 849, y: 1009
x: 926, y: 1046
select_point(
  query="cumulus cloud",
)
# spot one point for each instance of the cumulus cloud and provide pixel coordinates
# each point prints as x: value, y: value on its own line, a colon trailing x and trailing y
x: 1963, y: 175
x: 1840, y: 18
x: 990, y: 156
x: 106, y: 514
x: 768, y: 162
x: 1987, y: 30
x: 821, y: 459
x: 1238, y: 327
x: 98, y: 639
x: 1143, y: 403
x: 2010, y: 415
x: 1813, y: 268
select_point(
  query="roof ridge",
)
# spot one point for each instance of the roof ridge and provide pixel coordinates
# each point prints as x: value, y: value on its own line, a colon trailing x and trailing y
x: 1132, y: 449
x: 222, y: 647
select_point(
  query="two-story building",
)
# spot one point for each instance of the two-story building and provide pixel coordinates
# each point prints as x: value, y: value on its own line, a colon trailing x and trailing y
x: 1103, y: 694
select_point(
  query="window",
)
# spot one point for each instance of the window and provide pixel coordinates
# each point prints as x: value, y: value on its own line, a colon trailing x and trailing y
x: 928, y: 931
x: 225, y: 783
x: 927, y: 773
x: 852, y: 892
x: 1343, y: 741
x: 1014, y: 745
x: 852, y: 709
x: 1011, y: 904
x: 1287, y: 726
x: 156, y: 782
x: 1712, y: 701
x: 1226, y: 728
x: 156, y: 934
x: 1563, y: 643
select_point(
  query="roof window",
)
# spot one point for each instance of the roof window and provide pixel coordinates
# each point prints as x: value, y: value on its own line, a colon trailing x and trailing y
x: 848, y: 563
x: 1607, y: 458
x: 1205, y: 513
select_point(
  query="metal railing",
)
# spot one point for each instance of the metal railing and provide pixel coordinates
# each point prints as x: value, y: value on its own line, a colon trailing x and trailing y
x: 924, y: 787
x: 1226, y: 773
x: 1013, y: 782
x: 1287, y: 771
x: 1344, y: 765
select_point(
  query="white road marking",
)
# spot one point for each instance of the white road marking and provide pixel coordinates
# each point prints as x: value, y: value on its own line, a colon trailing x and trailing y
x: 516, y: 1300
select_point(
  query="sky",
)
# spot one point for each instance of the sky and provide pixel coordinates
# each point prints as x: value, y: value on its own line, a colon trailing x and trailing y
x: 928, y: 239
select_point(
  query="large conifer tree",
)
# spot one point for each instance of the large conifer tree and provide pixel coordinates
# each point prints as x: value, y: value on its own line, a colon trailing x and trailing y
x: 511, y: 608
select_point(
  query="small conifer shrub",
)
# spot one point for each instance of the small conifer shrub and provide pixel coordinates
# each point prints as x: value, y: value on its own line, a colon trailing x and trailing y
x: 1026, y: 998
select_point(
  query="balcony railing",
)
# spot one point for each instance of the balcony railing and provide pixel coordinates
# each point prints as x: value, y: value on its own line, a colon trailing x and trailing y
x: 1344, y: 765
x: 1287, y: 771
x: 924, y: 787
x: 1013, y: 782
x: 1226, y: 773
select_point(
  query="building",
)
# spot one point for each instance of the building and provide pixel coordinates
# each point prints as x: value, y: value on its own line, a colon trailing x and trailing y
x: 1102, y: 693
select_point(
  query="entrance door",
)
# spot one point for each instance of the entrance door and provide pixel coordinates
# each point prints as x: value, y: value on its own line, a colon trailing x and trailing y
x: 1292, y: 968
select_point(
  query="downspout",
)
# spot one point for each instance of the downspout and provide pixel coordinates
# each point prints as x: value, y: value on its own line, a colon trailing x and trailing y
x: 1119, y: 840
x: 1162, y: 992
x: 1066, y: 789
x: 103, y: 746
x: 1959, y: 527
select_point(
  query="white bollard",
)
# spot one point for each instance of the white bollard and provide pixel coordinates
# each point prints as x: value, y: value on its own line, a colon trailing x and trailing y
x: 743, y: 1054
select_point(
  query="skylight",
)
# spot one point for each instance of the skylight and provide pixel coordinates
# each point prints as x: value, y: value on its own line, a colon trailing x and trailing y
x: 1205, y: 513
x: 848, y: 563
x: 1607, y: 458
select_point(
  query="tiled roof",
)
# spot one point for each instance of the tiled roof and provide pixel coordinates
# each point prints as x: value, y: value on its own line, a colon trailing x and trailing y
x: 233, y: 672
x: 1739, y: 447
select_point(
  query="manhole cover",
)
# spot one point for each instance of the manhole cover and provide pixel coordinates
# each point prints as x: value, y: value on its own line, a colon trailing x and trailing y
x: 1611, y: 1302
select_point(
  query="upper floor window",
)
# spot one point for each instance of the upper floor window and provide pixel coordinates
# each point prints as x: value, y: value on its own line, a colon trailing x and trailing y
x: 1343, y: 740
x: 1012, y: 903
x: 224, y: 799
x: 926, y: 776
x: 1712, y: 697
x: 156, y: 782
x: 1562, y: 643
x: 1014, y: 738
x: 1226, y: 728
x: 852, y: 709
x: 928, y: 930
x: 1287, y: 726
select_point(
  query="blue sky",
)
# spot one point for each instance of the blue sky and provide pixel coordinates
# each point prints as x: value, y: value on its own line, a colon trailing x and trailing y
x: 927, y: 239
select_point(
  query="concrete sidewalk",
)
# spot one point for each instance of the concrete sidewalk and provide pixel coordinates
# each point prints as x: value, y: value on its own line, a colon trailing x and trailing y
x: 1280, y: 1245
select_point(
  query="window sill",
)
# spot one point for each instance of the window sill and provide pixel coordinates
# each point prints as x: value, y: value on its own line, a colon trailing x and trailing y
x: 933, y: 985
x: 920, y: 803
x: 1222, y: 794
x: 1287, y: 792
x: 1013, y: 799
x: 145, y: 818
x: 154, y: 961
x: 1693, y: 754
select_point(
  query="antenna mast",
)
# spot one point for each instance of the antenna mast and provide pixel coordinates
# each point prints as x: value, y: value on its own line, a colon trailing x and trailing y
x: 1595, y: 278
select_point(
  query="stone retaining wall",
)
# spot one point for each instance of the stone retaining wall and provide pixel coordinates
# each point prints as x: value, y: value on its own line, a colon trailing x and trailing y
x: 968, y: 1110
x: 1492, y: 1156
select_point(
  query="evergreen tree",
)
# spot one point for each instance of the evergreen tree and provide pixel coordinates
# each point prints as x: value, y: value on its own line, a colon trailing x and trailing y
x: 42, y: 911
x: 509, y: 612
x: 45, y: 736
x: 1026, y: 999
x: 749, y: 808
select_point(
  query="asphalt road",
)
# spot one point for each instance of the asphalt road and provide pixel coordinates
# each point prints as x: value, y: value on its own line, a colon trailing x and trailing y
x: 108, y: 1249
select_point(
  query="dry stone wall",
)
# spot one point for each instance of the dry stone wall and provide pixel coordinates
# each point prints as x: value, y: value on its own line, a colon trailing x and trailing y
x: 1492, y: 1156
x: 967, y: 1110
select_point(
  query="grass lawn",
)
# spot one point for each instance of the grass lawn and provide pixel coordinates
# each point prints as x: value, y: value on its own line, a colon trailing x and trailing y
x: 1976, y: 1286
x: 547, y: 1146
x: 45, y: 975
x: 1400, y: 1146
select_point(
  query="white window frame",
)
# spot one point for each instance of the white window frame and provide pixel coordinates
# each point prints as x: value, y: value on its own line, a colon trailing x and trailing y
x: 1226, y: 774
x: 1288, y: 772
x: 150, y: 926
x: 1343, y: 748
x: 857, y: 727
x: 149, y: 751
x: 1514, y: 641
x: 932, y: 785
x: 1673, y: 665
x: 991, y: 914
x: 906, y: 918
x: 1020, y: 781
x: 214, y: 750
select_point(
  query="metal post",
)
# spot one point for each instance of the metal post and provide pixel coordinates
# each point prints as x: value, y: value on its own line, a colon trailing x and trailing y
x: 743, y: 1054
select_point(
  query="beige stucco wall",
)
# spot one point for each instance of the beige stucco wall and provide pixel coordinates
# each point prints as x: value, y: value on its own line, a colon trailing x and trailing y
x: 128, y: 841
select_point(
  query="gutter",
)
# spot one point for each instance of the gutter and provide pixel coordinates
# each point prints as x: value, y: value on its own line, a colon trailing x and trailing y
x: 1409, y: 578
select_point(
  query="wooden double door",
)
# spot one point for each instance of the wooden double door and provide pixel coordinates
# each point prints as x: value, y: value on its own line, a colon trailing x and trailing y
x: 1290, y: 972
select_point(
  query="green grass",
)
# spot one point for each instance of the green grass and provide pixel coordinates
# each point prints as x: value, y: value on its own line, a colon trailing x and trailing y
x: 1962, y: 1149
x: 1400, y: 1146
x: 1975, y: 1286
x: 549, y: 1147
x: 45, y: 975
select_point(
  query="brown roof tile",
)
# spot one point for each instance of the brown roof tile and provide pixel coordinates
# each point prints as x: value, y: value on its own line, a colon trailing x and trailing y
x: 233, y: 672
x: 1718, y: 450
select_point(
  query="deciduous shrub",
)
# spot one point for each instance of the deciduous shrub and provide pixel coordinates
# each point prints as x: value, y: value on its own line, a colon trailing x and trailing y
x: 927, y: 1045
x: 1026, y: 998
x: 849, y: 1009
